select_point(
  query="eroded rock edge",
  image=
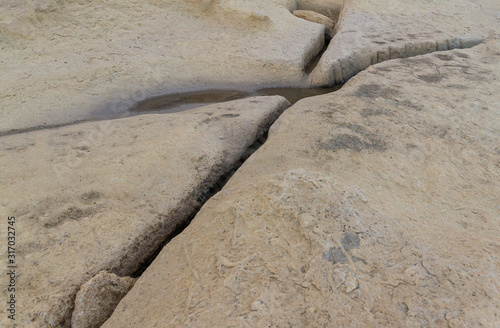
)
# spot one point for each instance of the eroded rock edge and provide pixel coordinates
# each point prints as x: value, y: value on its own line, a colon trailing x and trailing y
x: 335, y: 67
x: 162, y: 233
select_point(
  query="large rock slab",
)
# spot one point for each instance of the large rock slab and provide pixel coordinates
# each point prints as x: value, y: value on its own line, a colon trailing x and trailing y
x: 375, y: 206
x: 63, y: 60
x: 370, y: 32
x: 104, y: 195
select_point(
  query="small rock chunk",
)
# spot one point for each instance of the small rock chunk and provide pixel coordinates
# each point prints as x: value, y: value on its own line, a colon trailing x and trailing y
x: 315, y: 17
x: 97, y: 299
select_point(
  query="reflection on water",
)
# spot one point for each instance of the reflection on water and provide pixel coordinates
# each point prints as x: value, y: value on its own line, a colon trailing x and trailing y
x: 177, y: 102
x: 295, y: 94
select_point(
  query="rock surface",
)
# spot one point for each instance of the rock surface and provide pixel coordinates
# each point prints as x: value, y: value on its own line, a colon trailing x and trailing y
x: 97, y: 299
x: 104, y: 195
x: 315, y: 17
x: 63, y: 60
x: 373, y: 31
x: 329, y: 8
x: 375, y: 206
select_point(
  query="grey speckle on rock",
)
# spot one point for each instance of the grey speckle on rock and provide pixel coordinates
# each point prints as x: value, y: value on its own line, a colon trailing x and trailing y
x: 97, y: 299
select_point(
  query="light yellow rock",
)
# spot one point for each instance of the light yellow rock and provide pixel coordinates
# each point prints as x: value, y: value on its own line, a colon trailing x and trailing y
x: 105, y: 195
x: 375, y: 206
x: 329, y: 8
x: 317, y: 18
x: 97, y: 299
x: 373, y: 31
x: 63, y: 60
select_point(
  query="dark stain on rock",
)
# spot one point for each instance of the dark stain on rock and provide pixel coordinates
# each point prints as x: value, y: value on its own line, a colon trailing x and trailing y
x: 83, y: 148
x: 230, y: 115
x: 374, y: 90
x: 91, y: 196
x: 352, y: 142
x: 367, y: 112
x: 362, y: 140
x: 444, y: 57
x: 383, y: 69
x: 350, y: 240
x: 72, y: 213
x: 208, y: 120
x: 418, y: 60
x: 457, y: 86
x: 461, y: 54
x: 335, y: 255
x: 432, y: 78
x: 409, y: 104
x: 411, y: 146
x: 358, y: 259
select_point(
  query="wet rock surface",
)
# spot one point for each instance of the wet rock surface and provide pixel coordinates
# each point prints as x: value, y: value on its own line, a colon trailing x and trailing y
x: 373, y: 206
x: 105, y: 195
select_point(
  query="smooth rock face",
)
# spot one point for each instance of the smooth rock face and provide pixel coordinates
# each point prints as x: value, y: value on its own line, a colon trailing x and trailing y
x: 375, y: 206
x: 315, y: 17
x: 329, y: 8
x: 370, y: 32
x: 104, y: 195
x: 63, y: 60
x: 97, y: 299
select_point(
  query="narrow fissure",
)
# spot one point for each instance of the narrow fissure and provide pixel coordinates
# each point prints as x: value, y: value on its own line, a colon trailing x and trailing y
x: 202, y: 199
x: 314, y: 62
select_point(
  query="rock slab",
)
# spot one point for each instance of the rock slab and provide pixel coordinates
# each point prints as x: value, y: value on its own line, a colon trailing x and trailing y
x: 370, y: 32
x: 105, y: 195
x: 374, y: 206
x: 99, y: 55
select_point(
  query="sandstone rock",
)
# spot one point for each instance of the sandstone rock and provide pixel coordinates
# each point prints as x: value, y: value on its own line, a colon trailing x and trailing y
x: 317, y: 18
x: 371, y: 32
x: 97, y: 299
x: 98, y: 55
x: 104, y: 195
x: 329, y: 8
x: 375, y: 206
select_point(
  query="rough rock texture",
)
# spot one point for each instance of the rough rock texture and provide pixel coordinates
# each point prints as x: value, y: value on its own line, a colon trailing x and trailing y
x: 315, y: 17
x: 62, y: 60
x: 373, y: 31
x: 375, y: 206
x: 103, y: 195
x: 97, y: 299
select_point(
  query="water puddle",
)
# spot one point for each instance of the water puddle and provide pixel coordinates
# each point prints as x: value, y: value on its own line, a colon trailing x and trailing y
x: 176, y: 102
x: 180, y: 101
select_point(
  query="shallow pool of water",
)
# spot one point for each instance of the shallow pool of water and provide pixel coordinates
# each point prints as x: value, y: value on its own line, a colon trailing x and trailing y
x: 176, y: 102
